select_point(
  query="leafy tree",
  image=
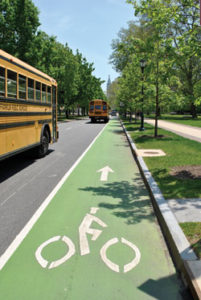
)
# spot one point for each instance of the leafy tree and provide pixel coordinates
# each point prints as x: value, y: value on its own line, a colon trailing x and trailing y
x: 176, y: 30
x: 157, y: 15
x: 19, y: 36
x: 42, y: 52
x: 129, y: 41
x: 112, y: 92
x: 186, y: 32
x: 18, y: 25
x: 89, y: 86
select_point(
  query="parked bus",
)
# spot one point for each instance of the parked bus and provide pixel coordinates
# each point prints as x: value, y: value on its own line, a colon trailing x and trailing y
x: 28, y: 108
x: 98, y: 110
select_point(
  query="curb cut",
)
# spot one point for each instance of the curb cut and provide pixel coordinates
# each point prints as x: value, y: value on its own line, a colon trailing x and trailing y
x: 183, y: 256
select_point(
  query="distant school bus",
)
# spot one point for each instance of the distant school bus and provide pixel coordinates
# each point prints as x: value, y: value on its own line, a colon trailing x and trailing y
x: 98, y: 110
x: 28, y: 104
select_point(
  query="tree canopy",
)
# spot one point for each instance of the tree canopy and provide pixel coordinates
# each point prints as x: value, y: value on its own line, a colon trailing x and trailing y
x: 20, y: 36
x: 167, y: 35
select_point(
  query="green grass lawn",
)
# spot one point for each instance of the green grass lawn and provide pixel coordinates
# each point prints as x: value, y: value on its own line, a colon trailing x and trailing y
x: 62, y: 117
x: 192, y: 231
x: 180, y: 119
x: 179, y: 152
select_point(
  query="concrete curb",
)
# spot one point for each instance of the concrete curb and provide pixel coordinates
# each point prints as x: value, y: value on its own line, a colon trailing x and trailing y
x: 184, y: 257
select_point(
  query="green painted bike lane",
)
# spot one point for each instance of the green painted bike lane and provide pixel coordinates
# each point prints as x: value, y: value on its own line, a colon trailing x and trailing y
x: 97, y: 239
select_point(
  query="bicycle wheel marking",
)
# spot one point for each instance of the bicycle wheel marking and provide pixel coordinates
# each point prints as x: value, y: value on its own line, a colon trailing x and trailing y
x: 43, y: 262
x: 114, y: 267
x: 84, y: 229
x: 136, y: 260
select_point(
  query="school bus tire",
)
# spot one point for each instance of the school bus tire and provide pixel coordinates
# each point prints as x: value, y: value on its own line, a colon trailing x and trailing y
x: 44, y: 146
x: 41, y: 150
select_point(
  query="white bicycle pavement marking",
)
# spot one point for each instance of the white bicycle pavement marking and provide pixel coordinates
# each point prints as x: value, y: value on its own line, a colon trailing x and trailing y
x: 84, y: 229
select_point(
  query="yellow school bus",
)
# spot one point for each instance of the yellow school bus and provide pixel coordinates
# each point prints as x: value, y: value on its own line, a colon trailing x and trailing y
x: 98, y: 110
x: 28, y: 108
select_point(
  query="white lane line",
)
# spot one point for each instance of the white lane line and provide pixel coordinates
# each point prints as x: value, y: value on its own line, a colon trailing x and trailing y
x: 23, y: 233
x: 29, y: 181
x: 7, y: 199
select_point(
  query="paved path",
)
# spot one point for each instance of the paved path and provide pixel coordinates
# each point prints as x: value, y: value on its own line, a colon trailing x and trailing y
x: 186, y: 210
x: 98, y: 238
x: 190, y: 132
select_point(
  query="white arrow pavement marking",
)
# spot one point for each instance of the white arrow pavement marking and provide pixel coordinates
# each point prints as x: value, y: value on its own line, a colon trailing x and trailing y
x: 104, y: 173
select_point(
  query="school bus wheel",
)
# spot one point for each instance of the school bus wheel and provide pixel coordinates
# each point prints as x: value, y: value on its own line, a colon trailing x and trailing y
x: 43, y: 148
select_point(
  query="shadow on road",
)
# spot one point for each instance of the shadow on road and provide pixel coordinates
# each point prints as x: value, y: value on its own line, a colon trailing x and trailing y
x: 129, y: 201
x: 17, y: 163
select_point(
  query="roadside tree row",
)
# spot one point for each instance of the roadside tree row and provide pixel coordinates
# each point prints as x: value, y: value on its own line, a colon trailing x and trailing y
x: 21, y: 37
x: 167, y: 35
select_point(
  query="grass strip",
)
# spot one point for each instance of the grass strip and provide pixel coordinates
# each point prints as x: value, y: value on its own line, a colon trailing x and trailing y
x: 192, y: 230
x: 180, y: 119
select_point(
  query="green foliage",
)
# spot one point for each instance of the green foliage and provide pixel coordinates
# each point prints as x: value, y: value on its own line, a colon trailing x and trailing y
x: 112, y: 91
x: 167, y: 35
x: 18, y: 25
x: 19, y: 36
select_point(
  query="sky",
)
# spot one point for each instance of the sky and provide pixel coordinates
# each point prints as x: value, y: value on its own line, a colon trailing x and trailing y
x: 87, y: 25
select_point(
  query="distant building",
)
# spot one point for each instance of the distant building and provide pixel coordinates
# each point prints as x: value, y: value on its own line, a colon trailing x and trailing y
x: 108, y: 86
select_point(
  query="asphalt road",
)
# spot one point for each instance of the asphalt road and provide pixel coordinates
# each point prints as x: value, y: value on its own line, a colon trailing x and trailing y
x: 26, y: 182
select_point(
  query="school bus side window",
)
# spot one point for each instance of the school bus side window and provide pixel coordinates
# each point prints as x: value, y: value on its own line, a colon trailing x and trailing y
x: 43, y: 92
x: 38, y: 91
x: 22, y: 87
x: 49, y: 94
x: 30, y: 89
x: 2, y: 81
x: 11, y: 84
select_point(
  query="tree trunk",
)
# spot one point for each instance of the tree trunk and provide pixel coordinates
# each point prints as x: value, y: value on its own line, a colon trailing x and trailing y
x: 135, y: 117
x: 191, y: 90
x: 193, y: 111
x: 157, y: 102
x: 130, y: 117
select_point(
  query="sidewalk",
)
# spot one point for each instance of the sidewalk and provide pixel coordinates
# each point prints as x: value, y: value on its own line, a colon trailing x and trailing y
x: 190, y: 132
